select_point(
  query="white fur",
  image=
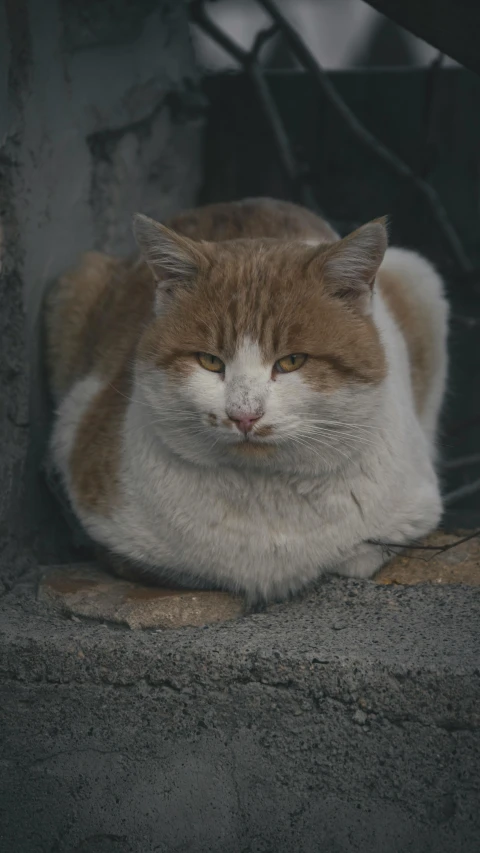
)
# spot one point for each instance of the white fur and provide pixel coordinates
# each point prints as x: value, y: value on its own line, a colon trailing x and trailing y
x: 194, y: 506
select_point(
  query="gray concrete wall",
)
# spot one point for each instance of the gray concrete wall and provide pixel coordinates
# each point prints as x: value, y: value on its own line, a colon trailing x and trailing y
x: 346, y: 722
x: 100, y: 116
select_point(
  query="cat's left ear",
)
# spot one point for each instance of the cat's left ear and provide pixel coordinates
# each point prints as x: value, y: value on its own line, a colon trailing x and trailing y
x: 349, y: 267
x: 175, y: 260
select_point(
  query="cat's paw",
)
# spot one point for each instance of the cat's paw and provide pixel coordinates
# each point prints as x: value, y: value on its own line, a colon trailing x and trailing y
x: 367, y: 560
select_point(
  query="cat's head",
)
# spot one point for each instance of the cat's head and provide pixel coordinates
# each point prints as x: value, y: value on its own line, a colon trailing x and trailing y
x: 262, y: 352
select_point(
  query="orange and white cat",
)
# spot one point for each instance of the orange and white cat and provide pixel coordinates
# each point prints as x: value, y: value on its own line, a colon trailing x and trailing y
x: 253, y: 402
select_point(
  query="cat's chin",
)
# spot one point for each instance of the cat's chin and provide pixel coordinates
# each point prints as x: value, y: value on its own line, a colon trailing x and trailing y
x: 253, y: 449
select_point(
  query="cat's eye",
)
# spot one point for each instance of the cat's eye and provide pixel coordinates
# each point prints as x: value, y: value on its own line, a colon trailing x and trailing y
x: 289, y: 363
x: 210, y: 362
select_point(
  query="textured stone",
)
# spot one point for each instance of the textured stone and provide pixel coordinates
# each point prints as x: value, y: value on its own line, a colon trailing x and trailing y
x: 460, y: 564
x: 15, y: 59
x: 100, y: 115
x: 85, y: 590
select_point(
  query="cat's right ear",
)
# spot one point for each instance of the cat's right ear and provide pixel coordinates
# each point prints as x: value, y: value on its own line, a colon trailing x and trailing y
x: 175, y: 260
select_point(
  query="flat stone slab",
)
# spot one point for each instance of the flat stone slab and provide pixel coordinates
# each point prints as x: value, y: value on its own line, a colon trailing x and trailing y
x: 458, y: 565
x: 85, y: 590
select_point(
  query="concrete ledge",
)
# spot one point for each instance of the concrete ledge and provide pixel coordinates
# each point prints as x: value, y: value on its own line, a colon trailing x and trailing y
x: 347, y: 721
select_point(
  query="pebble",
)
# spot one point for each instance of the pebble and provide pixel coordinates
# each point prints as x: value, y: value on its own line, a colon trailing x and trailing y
x: 360, y: 717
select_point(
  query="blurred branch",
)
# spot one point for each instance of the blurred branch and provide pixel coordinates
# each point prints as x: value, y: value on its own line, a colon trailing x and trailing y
x: 438, y: 549
x: 431, y: 83
x: 462, y: 461
x: 469, y: 322
x: 462, y: 492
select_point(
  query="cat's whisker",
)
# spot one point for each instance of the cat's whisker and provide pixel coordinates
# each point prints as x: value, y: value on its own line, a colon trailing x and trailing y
x: 157, y: 423
x: 327, y: 444
x: 297, y: 440
x: 349, y: 441
x: 306, y: 441
x: 341, y: 435
x: 329, y: 423
x: 326, y: 462
x: 352, y: 430
x: 174, y: 414
x: 131, y: 399
x: 179, y: 415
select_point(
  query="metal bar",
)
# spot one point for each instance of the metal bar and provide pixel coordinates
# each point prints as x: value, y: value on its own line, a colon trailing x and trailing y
x: 367, y: 139
x: 452, y: 26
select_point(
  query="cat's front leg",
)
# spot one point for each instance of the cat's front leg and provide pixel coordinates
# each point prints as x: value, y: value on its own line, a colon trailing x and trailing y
x: 411, y: 523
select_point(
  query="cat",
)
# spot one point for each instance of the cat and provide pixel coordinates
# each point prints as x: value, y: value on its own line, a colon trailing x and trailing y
x: 252, y: 401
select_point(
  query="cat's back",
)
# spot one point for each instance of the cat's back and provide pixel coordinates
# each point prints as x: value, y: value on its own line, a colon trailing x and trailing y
x: 251, y: 218
x: 414, y: 294
x: 93, y: 317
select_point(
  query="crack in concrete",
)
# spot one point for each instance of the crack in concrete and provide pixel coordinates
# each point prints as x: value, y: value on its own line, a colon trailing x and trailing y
x: 71, y: 753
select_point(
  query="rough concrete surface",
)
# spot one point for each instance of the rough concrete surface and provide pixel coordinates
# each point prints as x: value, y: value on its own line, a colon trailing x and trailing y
x: 346, y: 721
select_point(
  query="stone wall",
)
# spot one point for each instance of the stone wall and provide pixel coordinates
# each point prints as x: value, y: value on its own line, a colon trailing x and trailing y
x: 99, y: 116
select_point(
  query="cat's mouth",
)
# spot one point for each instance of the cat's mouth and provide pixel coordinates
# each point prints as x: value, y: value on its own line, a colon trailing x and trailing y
x: 254, y: 443
x: 253, y: 448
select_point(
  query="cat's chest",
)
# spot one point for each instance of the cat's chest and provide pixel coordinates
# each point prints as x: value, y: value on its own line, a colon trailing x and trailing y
x: 231, y: 527
x: 226, y: 502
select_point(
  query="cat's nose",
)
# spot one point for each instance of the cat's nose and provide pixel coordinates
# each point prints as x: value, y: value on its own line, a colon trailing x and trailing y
x: 244, y: 422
